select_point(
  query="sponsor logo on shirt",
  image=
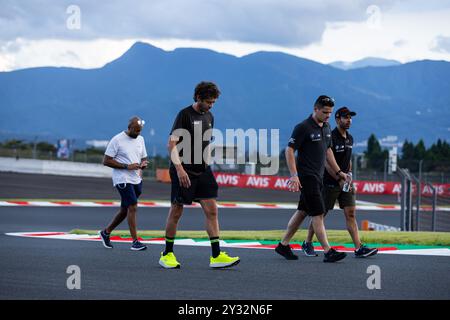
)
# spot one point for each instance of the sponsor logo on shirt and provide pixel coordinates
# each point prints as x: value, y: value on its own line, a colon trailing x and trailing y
x: 340, y: 148
x: 316, y: 137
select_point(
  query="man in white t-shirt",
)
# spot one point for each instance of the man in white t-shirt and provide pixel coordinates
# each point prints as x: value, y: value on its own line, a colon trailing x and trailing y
x: 127, y: 156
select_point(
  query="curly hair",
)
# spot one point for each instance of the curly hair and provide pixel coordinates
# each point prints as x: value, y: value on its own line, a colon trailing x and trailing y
x: 206, y: 90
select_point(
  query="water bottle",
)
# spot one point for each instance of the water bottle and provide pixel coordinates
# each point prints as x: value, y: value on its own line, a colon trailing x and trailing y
x: 348, y: 183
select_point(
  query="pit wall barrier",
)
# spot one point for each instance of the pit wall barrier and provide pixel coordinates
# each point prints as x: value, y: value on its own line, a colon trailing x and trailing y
x: 81, y: 169
x: 280, y: 183
x: 54, y: 167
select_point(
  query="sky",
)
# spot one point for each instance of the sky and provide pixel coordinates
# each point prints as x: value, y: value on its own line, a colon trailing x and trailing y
x: 89, y: 34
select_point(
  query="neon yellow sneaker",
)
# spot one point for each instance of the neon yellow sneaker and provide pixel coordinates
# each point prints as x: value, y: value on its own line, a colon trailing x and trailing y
x: 169, y: 261
x: 223, y: 260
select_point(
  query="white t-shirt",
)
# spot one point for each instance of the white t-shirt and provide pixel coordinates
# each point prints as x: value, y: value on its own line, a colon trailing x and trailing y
x: 126, y: 150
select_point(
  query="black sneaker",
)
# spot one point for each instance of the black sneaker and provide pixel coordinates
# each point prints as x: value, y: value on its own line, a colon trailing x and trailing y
x: 308, y: 249
x: 138, y: 246
x: 286, y: 252
x: 105, y: 239
x: 333, y: 256
x: 364, y: 252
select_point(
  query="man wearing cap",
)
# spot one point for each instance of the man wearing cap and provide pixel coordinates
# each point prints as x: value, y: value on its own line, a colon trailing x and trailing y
x: 342, y: 142
x: 127, y: 155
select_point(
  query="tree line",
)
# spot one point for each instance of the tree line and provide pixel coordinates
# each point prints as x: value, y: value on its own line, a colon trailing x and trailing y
x: 434, y: 158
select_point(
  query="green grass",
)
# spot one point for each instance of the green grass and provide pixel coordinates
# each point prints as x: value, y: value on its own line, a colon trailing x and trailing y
x: 335, y: 236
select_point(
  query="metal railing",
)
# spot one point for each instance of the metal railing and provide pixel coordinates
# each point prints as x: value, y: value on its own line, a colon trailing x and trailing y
x: 405, y: 200
x: 416, y: 219
x: 433, y: 207
x: 410, y: 217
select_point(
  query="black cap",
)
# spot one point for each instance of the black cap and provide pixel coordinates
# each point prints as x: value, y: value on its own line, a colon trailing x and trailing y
x: 343, y: 112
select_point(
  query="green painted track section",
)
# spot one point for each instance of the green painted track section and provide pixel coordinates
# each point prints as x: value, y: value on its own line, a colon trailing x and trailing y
x: 426, y: 240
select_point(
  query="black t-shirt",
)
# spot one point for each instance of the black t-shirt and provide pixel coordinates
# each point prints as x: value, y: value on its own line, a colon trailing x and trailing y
x: 311, y: 142
x: 196, y: 124
x: 342, y: 150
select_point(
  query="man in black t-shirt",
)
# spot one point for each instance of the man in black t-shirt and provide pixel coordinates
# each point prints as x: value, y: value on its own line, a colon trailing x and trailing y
x: 191, y: 176
x: 312, y: 141
x: 342, y: 142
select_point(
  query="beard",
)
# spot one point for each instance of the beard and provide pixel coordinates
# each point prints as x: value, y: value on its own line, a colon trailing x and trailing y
x: 203, y: 107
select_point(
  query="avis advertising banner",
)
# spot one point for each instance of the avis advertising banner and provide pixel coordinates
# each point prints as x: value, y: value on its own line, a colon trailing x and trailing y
x: 280, y: 183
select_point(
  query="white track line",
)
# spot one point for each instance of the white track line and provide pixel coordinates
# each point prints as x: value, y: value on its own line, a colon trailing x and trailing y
x: 190, y: 242
x: 166, y: 204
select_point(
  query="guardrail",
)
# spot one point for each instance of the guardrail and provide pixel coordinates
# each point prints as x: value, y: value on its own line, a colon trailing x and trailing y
x: 67, y: 168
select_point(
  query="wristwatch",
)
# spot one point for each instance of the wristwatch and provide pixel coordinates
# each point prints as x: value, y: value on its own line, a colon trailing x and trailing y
x: 125, y: 166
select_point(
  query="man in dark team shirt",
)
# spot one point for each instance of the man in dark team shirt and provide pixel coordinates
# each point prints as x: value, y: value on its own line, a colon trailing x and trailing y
x: 312, y: 141
x: 342, y: 142
x: 191, y: 176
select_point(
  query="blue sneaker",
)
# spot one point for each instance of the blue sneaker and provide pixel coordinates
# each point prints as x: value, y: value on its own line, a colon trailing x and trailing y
x: 138, y: 246
x: 308, y: 249
x: 105, y: 239
x: 364, y: 252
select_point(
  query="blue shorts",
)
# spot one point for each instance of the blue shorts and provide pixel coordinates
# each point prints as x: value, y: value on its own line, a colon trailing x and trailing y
x: 129, y: 193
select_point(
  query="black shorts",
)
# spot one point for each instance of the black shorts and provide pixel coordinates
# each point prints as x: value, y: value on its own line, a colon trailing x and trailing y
x: 203, y: 186
x: 129, y: 193
x: 311, y: 198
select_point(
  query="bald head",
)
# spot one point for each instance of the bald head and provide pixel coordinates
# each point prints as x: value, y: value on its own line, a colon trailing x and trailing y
x: 135, y: 125
x: 135, y: 121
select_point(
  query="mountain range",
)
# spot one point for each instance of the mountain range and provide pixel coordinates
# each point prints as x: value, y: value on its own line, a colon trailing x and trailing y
x: 260, y: 90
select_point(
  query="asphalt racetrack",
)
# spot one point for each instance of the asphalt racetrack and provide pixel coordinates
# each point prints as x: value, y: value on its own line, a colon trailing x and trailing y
x: 36, y: 268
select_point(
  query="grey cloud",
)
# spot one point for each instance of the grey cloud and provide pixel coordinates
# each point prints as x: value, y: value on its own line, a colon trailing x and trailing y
x: 281, y: 22
x: 400, y: 43
x: 9, y: 47
x: 441, y: 44
x: 71, y: 55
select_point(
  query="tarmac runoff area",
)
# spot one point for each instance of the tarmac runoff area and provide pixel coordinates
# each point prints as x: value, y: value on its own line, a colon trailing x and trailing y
x: 34, y: 266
